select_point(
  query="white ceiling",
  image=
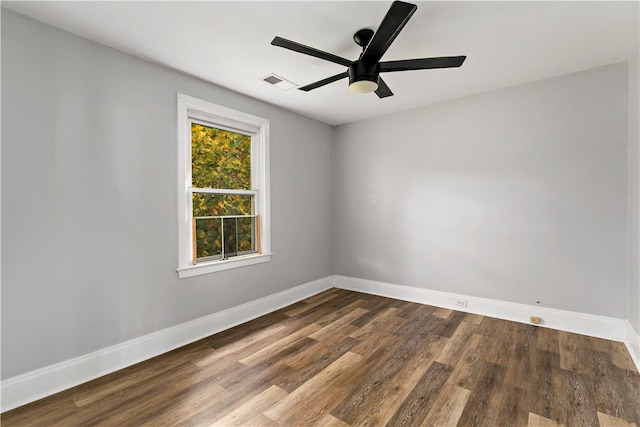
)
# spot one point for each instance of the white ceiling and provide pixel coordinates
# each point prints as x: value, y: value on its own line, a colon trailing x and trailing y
x: 228, y: 43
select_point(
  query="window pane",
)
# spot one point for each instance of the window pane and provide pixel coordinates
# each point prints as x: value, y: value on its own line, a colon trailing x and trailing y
x: 230, y: 237
x: 220, y: 158
x: 238, y: 235
x: 208, y: 237
x: 246, y: 234
x: 222, y: 204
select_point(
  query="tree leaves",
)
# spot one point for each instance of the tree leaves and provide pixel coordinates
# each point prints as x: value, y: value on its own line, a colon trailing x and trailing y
x: 220, y: 158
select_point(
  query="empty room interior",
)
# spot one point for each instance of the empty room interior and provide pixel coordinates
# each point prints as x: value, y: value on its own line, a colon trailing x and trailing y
x: 320, y: 213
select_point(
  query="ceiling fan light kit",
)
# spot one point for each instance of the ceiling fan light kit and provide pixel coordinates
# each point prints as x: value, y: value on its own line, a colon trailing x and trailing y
x: 363, y: 78
x: 364, y: 72
x: 363, y: 86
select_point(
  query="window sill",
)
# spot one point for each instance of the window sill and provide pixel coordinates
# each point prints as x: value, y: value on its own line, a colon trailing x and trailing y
x: 228, y: 264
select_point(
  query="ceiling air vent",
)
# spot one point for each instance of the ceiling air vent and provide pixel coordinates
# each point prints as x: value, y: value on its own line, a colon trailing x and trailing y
x: 279, y: 82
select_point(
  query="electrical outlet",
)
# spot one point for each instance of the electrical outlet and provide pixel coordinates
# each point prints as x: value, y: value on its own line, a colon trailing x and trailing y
x: 461, y: 303
x: 536, y: 320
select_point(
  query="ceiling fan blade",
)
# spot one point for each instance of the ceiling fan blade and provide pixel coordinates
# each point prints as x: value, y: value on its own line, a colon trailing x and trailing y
x: 297, y: 47
x: 391, y: 25
x: 422, y: 63
x: 323, y: 82
x: 383, y: 90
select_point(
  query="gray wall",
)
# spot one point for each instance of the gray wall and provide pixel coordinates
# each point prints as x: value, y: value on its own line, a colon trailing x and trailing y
x: 634, y: 193
x: 89, y: 209
x: 518, y: 194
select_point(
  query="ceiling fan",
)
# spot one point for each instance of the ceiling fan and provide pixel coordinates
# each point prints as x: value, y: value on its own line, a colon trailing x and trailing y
x: 364, y: 72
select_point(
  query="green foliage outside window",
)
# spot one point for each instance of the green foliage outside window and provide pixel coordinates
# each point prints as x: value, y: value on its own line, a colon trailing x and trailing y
x: 220, y: 158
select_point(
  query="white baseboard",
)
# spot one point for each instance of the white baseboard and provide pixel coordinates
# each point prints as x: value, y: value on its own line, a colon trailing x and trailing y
x: 586, y: 324
x: 633, y: 344
x: 34, y: 385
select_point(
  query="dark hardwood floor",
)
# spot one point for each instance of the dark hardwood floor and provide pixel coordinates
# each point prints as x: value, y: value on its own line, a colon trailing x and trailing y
x: 343, y: 358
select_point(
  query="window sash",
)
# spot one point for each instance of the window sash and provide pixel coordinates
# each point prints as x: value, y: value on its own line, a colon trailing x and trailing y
x: 194, y: 190
x: 202, y: 118
x: 222, y: 191
x: 256, y: 239
x: 255, y: 243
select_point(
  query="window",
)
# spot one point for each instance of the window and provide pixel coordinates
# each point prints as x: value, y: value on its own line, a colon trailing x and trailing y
x: 223, y: 192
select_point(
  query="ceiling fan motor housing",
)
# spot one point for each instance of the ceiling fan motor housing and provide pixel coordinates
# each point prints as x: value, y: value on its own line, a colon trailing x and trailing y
x: 359, y: 70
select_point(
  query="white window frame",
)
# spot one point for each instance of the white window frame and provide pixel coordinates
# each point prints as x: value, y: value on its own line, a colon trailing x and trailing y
x: 194, y: 109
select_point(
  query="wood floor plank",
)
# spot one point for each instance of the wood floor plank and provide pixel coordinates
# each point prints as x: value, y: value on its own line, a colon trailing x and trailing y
x: 328, y: 294
x: 616, y: 351
x: 310, y: 303
x: 380, y: 307
x: 513, y: 406
x: 244, y: 385
x: 156, y: 367
x: 267, y: 351
x: 581, y: 400
x: 446, y: 328
x: 482, y: 408
x: 305, y: 369
x: 262, y: 420
x: 442, y: 313
x: 331, y: 329
x: 546, y: 387
x: 447, y: 408
x: 454, y: 349
x: 548, y: 340
x: 572, y: 356
x: 466, y: 370
x: 536, y: 420
x: 329, y: 310
x: 386, y: 339
x: 330, y: 316
x: 361, y: 389
x: 527, y: 329
x: 617, y: 391
x: 504, y: 352
x: 408, y: 310
x: 519, y: 366
x: 245, y: 382
x: 329, y: 349
x: 328, y: 420
x: 342, y: 358
x: 139, y: 396
x: 153, y: 403
x: 197, y: 399
x: 611, y: 421
x: 629, y: 384
x: 402, y: 383
x: 314, y: 393
x: 423, y: 396
x: 268, y: 370
x: 248, y: 343
x: 239, y: 332
x: 384, y: 323
x: 491, y: 326
x: 371, y: 404
x: 252, y: 408
x: 476, y: 319
x: 52, y: 412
